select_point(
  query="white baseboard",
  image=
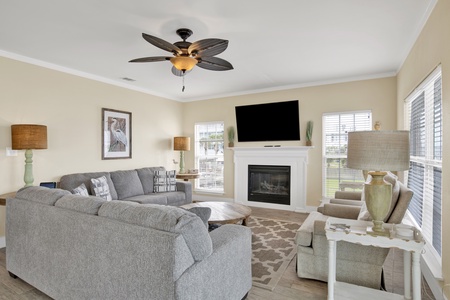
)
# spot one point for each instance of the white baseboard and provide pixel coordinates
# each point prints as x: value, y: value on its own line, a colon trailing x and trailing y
x: 2, y: 242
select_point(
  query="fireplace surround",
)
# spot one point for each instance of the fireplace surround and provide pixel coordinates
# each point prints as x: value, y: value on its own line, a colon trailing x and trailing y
x: 294, y: 157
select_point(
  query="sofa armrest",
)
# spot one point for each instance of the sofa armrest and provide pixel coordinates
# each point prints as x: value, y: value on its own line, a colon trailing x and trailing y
x: 319, y: 227
x: 227, y: 271
x: 341, y: 211
x: 347, y: 195
x: 186, y: 187
x: 347, y: 202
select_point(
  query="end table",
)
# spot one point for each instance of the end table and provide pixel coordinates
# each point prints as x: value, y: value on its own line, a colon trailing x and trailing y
x: 187, y: 176
x: 357, y: 233
x: 6, y: 196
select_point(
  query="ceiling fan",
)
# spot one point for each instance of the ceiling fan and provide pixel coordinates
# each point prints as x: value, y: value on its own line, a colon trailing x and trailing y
x: 187, y: 55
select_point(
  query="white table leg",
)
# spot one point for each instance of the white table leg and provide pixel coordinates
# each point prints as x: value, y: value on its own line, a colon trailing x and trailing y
x: 331, y: 268
x: 407, y: 273
x: 416, y: 276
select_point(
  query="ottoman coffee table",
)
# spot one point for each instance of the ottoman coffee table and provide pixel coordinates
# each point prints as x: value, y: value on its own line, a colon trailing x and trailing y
x: 224, y: 212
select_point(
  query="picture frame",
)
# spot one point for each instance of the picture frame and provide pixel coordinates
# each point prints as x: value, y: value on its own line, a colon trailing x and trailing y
x: 116, y: 134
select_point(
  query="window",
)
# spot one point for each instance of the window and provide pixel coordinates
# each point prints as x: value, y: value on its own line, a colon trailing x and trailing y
x: 336, y: 126
x: 423, y: 109
x: 209, y: 156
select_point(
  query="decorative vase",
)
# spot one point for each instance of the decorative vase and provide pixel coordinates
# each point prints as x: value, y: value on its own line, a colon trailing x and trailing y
x: 308, y: 143
x: 231, y: 144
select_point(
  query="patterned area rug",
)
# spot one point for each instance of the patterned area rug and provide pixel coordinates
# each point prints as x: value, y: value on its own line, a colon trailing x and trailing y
x: 273, y: 245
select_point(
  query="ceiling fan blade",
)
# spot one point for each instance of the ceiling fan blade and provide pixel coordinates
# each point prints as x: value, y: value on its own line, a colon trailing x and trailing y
x: 150, y: 59
x: 177, y: 72
x: 160, y: 43
x: 214, y: 64
x: 208, y: 47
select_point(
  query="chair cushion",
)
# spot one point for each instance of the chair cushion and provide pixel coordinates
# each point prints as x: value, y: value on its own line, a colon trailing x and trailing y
x: 304, y: 234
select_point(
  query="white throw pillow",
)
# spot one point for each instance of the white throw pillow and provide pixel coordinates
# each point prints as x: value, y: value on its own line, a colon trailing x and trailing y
x: 100, y: 188
x: 80, y: 190
x: 164, y: 181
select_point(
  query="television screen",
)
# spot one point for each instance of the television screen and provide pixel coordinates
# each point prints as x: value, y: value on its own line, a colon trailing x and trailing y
x: 277, y: 121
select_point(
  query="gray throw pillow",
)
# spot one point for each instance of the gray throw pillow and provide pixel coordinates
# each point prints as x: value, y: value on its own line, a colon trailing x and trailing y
x: 100, y: 188
x: 203, y: 212
x: 164, y: 181
x: 80, y: 190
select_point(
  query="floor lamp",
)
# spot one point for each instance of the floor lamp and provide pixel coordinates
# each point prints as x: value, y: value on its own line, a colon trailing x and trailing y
x: 28, y: 137
x: 378, y: 151
x: 182, y: 143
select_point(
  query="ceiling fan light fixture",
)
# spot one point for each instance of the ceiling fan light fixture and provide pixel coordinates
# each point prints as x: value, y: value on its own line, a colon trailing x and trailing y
x: 183, y: 63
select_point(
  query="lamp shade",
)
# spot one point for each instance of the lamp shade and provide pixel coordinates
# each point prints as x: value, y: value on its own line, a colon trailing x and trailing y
x: 183, y: 63
x: 384, y: 150
x: 28, y: 136
x: 182, y: 143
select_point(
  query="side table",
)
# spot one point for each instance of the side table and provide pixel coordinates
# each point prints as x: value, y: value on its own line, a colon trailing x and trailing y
x: 6, y: 196
x: 357, y: 233
x: 187, y: 176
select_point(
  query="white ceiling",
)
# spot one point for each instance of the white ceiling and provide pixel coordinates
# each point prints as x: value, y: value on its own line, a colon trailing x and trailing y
x: 272, y: 44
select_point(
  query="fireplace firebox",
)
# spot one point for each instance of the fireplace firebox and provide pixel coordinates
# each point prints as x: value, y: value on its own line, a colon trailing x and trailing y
x: 270, y: 184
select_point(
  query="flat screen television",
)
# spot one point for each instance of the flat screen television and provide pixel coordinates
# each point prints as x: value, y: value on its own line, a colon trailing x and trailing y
x: 276, y: 121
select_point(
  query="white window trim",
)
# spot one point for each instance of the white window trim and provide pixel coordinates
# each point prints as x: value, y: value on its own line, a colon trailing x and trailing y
x: 431, y: 259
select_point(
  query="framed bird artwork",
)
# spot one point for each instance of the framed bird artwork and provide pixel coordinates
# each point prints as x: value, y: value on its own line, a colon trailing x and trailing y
x: 116, y: 134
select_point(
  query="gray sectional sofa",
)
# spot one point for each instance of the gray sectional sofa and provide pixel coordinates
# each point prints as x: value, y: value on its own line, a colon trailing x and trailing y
x: 77, y: 247
x: 132, y: 185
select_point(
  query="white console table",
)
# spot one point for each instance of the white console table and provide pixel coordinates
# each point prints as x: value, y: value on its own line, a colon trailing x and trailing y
x: 357, y: 233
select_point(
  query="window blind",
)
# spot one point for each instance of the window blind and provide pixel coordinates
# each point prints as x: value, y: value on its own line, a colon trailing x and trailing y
x: 423, y: 118
x: 336, y: 127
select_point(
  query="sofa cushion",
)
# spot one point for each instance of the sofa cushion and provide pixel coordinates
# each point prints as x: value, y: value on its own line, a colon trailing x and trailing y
x: 41, y: 194
x: 127, y: 184
x: 71, y: 181
x: 100, y: 188
x: 164, y: 181
x: 146, y: 176
x: 304, y: 234
x: 85, y: 204
x: 80, y: 190
x: 165, y: 218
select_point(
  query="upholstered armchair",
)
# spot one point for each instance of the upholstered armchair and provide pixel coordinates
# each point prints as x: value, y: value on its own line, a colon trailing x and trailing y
x: 356, y: 264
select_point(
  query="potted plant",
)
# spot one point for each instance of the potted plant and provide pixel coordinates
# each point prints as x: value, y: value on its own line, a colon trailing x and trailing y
x: 309, y: 131
x: 230, y: 132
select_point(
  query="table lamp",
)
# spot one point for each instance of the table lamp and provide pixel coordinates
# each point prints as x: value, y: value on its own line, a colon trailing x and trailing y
x: 28, y: 137
x: 378, y: 152
x: 182, y: 143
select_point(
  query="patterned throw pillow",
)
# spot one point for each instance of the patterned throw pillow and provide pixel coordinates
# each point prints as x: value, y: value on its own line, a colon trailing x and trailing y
x: 80, y: 190
x: 164, y: 181
x: 100, y: 188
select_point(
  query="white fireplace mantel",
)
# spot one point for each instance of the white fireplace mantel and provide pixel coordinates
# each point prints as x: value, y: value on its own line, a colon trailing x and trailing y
x: 294, y: 156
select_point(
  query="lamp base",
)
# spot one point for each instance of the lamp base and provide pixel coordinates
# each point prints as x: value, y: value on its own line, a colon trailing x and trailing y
x: 383, y: 232
x: 182, y: 170
x: 28, y: 176
x: 378, y: 194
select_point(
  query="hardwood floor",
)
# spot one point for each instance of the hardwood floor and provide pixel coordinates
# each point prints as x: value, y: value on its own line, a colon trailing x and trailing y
x: 289, y: 287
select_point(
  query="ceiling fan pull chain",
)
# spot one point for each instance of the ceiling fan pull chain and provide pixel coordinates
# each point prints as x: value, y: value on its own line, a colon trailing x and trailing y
x: 183, y: 82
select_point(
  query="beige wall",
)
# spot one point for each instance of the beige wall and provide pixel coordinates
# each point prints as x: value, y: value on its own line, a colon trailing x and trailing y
x: 433, y: 48
x: 378, y: 95
x: 71, y: 108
